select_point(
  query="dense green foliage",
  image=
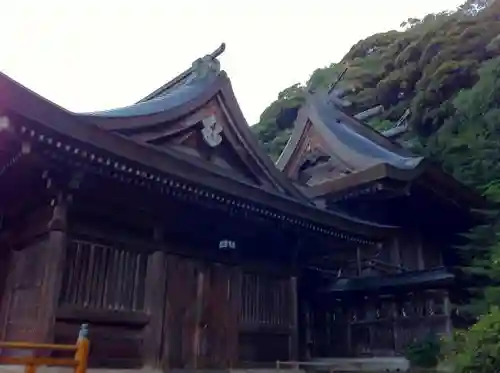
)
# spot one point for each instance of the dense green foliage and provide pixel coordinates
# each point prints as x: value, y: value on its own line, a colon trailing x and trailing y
x: 424, y: 353
x: 476, y: 350
x: 423, y: 68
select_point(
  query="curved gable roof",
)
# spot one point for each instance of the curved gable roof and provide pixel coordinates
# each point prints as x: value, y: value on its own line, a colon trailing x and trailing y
x: 198, y: 85
x: 89, y: 129
x: 351, y: 140
x: 371, y: 155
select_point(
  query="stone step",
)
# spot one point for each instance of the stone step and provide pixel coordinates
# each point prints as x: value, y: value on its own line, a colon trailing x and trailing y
x: 371, y: 364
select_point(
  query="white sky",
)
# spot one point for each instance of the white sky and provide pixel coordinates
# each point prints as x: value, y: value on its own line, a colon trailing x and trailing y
x: 99, y: 54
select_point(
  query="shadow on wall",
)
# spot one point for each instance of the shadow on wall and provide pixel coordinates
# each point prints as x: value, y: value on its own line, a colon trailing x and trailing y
x: 4, y: 264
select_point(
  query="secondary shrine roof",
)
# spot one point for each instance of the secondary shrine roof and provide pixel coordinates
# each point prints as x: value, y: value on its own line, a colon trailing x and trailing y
x: 337, y: 151
x: 417, y: 279
x: 354, y: 142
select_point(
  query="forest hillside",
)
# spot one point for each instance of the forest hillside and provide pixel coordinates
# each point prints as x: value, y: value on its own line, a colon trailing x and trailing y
x: 444, y: 68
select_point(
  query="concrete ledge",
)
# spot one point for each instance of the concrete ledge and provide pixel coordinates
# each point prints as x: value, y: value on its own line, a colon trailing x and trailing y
x: 268, y: 370
x: 373, y: 364
x: 20, y: 369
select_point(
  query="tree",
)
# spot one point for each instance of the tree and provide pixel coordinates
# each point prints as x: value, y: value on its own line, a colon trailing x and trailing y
x: 476, y: 350
x: 474, y: 7
x: 423, y: 67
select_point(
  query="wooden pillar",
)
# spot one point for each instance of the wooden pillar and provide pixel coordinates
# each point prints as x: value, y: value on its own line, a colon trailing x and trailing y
x: 395, y: 324
x: 235, y: 302
x: 395, y: 252
x: 54, y: 262
x: 4, y: 269
x: 447, y: 312
x: 7, y: 273
x: 358, y: 261
x: 198, y: 317
x: 349, y: 338
x: 293, y: 347
x: 4, y: 272
x: 420, y: 252
x: 308, y: 337
x: 155, y: 298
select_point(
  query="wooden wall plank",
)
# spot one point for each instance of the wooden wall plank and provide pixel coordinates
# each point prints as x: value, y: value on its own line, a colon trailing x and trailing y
x: 199, y: 324
x: 294, y: 320
x: 25, y: 309
x: 22, y: 305
x: 155, y: 298
x: 220, y: 319
x: 112, y: 346
x: 54, y: 266
x: 5, y: 258
x: 179, y: 313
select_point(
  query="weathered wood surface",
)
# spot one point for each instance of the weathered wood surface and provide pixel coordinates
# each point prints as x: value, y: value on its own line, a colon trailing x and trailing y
x: 106, y: 286
x: 155, y: 292
x: 22, y: 274
x: 23, y: 294
x: 375, y: 327
x: 33, y: 277
x: 201, y: 317
x: 5, y: 259
x: 104, y: 277
x: 148, y: 306
x: 54, y: 262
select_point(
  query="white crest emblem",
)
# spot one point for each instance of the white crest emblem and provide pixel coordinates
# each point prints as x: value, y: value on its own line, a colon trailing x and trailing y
x: 4, y: 123
x: 211, y: 131
x: 227, y: 244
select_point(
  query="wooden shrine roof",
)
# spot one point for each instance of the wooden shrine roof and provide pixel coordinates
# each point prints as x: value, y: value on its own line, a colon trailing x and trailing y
x: 112, y: 135
x: 429, y: 174
x: 355, y: 143
x: 364, y: 154
x: 417, y: 279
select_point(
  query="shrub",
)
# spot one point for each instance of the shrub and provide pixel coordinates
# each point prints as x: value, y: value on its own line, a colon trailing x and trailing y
x: 424, y: 353
x: 476, y: 350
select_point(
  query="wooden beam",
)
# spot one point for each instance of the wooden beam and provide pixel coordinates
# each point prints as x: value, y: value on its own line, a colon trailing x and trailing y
x: 369, y: 113
x: 420, y: 251
x: 358, y: 261
x: 395, y: 325
x: 5, y: 294
x: 152, y: 134
x: 395, y: 252
x: 198, y: 317
x: 155, y: 299
x: 75, y: 314
x: 447, y: 312
x: 54, y: 265
x: 294, y: 334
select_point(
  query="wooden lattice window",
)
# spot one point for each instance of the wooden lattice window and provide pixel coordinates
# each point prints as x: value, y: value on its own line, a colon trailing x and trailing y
x: 103, y: 277
x: 265, y: 300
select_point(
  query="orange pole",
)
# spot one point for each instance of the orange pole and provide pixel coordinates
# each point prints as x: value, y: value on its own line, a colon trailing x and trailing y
x: 30, y: 368
x: 27, y: 360
x: 82, y: 350
x: 36, y: 346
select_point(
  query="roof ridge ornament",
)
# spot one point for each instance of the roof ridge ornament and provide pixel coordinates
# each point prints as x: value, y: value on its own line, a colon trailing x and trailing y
x: 199, y: 69
x: 208, y: 64
x: 216, y: 53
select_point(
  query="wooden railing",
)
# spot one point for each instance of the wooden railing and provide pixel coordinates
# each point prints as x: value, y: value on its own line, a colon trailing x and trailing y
x: 79, y: 362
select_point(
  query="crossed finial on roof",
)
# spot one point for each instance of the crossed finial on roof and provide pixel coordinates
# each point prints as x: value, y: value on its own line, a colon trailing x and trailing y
x: 332, y: 86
